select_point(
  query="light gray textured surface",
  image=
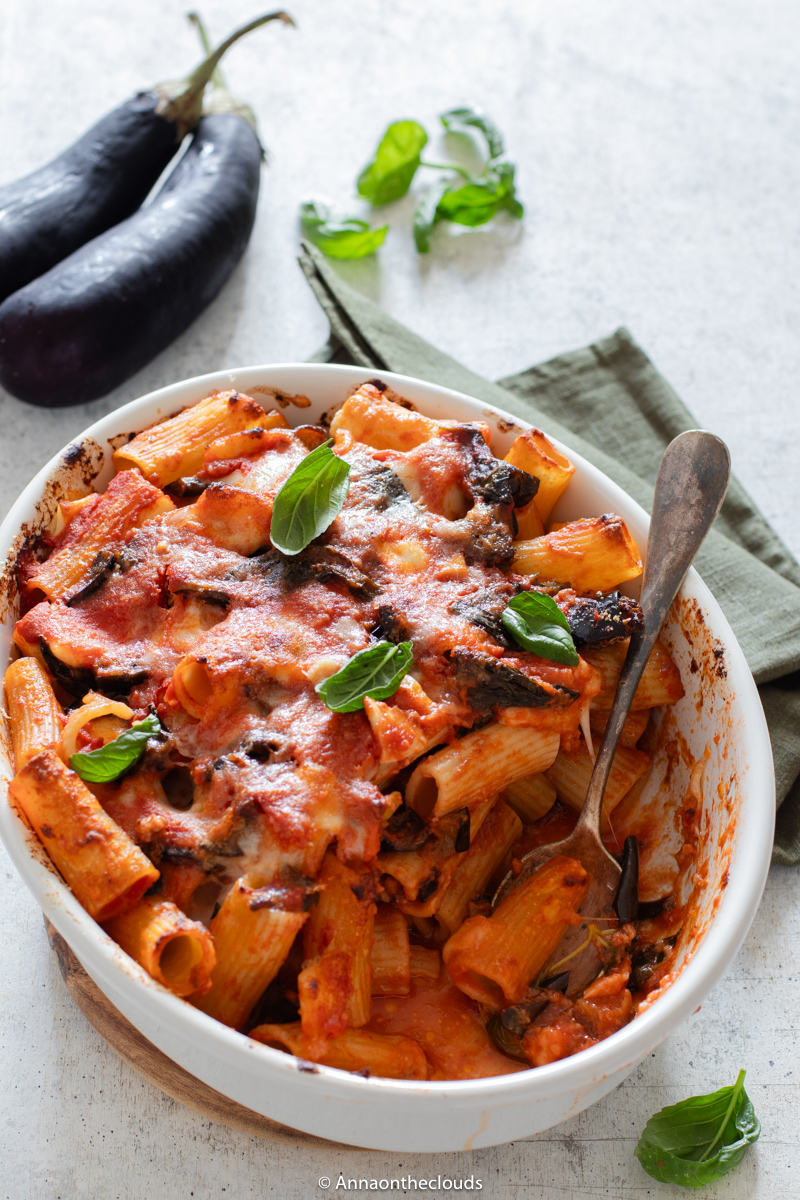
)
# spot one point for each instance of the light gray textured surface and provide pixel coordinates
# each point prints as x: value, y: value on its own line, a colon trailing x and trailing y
x: 658, y: 158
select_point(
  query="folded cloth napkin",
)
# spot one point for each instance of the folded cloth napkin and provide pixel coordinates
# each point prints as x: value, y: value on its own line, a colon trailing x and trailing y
x: 610, y: 404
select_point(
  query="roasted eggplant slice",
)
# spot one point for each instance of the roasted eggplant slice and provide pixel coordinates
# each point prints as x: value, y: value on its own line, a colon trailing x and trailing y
x: 430, y: 885
x: 506, y: 1041
x: 375, y: 486
x: 488, y: 536
x: 101, y: 568
x: 594, y: 620
x: 652, y: 908
x: 320, y: 563
x: 120, y: 685
x: 331, y: 566
x: 488, y: 479
x: 626, y: 902
x: 393, y: 627
x: 295, y: 895
x: 485, y: 609
x: 80, y: 680
x: 75, y: 680
x: 188, y: 487
x: 489, y: 682
x: 404, y: 831
x: 214, y: 596
x: 510, y: 485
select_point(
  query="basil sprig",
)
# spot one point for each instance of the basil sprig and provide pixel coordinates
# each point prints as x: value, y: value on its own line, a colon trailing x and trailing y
x: 343, y: 237
x: 699, y: 1140
x: 388, y: 176
x: 310, y: 499
x: 536, y: 623
x: 466, y: 198
x: 115, y: 758
x: 376, y: 672
x: 459, y: 195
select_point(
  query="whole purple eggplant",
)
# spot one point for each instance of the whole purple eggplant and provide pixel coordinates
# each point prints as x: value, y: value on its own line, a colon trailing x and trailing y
x: 101, y: 179
x: 96, y: 318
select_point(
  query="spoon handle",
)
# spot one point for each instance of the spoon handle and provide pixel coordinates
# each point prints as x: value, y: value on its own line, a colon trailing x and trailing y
x: 690, y: 488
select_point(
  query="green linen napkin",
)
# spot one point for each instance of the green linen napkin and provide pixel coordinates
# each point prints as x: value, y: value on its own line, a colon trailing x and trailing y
x: 610, y: 404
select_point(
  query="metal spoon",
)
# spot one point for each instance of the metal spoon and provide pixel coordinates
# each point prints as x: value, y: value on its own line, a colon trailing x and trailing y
x: 691, y: 485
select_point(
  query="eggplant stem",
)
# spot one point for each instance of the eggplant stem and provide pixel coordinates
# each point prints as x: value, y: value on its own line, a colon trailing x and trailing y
x: 201, y: 75
x: 217, y: 78
x: 182, y: 101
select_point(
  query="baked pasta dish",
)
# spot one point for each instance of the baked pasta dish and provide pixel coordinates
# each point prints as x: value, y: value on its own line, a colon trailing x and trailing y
x: 288, y: 705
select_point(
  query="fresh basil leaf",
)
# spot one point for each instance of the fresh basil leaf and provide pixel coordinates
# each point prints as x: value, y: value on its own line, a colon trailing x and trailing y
x: 376, y: 672
x: 699, y: 1140
x: 463, y: 120
x: 309, y: 500
x: 480, y: 200
x: 115, y: 758
x: 389, y: 174
x: 347, y: 237
x: 425, y: 214
x: 537, y: 623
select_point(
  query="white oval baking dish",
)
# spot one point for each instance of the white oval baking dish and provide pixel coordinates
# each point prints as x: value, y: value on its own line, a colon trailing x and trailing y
x: 720, y: 716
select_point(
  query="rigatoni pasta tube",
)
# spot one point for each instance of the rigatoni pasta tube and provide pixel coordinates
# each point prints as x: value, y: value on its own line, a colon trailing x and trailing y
x: 246, y: 442
x: 127, y: 502
x: 193, y: 685
x: 367, y: 417
x: 180, y: 881
x: 251, y: 941
x: 594, y: 555
x: 531, y: 797
x: 424, y: 963
x: 421, y: 873
x: 480, y: 764
x: 391, y: 955
x: 529, y: 523
x: 494, y: 959
x: 496, y: 837
x: 660, y: 682
x: 93, y: 708
x: 32, y: 708
x: 341, y: 924
x: 427, y: 872
x: 572, y: 770
x: 632, y: 730
x: 536, y: 454
x: 177, y: 952
x: 105, y: 869
x: 177, y: 447
x: 386, y: 1055
x: 235, y: 518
